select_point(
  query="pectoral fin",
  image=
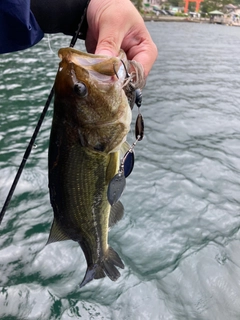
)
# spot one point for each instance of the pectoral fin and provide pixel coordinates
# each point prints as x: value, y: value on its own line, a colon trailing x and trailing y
x: 56, y: 234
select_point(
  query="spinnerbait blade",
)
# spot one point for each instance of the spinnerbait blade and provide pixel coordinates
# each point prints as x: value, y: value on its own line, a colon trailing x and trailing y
x: 129, y: 164
x: 116, y: 187
x: 118, y: 182
x: 139, y: 127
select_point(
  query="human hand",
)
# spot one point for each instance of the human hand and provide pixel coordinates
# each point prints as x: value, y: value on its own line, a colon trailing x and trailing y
x: 115, y: 24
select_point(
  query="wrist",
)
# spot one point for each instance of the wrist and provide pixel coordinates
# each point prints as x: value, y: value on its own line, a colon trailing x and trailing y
x: 54, y: 16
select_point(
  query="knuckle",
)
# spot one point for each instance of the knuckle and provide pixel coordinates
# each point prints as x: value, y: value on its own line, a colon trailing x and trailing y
x: 108, y: 42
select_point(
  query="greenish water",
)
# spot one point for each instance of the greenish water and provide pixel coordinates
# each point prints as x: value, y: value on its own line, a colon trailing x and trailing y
x: 179, y: 238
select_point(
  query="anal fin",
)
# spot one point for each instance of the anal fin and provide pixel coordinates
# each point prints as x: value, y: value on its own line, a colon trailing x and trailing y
x: 110, y: 262
x: 116, y: 213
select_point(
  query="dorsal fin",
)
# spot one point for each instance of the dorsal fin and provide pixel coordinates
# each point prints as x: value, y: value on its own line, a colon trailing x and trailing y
x: 116, y: 213
x: 56, y: 234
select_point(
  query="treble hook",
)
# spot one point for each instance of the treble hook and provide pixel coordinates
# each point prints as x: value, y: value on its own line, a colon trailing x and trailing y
x: 114, y: 69
x: 127, y: 74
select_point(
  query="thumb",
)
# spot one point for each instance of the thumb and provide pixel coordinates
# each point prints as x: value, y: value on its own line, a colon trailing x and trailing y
x: 108, y: 24
x: 109, y: 43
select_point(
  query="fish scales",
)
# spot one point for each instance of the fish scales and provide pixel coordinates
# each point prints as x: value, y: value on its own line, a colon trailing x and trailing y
x: 78, y: 176
x: 90, y: 123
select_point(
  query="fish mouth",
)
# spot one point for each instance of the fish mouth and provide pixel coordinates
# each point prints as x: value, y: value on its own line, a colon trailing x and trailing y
x: 104, y: 68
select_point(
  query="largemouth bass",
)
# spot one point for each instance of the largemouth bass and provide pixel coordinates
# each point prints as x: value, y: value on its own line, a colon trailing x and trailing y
x: 91, y: 120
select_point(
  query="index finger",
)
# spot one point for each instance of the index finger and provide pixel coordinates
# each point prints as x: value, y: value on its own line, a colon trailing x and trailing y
x: 140, y: 47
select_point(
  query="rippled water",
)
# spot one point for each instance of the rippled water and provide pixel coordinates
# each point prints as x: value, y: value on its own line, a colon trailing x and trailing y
x: 179, y: 238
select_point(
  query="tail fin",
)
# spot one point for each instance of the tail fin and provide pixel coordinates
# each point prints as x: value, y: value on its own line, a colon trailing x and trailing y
x: 89, y: 275
x: 107, y: 267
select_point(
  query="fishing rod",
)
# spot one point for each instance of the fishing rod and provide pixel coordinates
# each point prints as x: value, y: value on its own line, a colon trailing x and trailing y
x: 38, y: 126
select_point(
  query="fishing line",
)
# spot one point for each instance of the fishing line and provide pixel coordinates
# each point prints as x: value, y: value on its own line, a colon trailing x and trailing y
x: 38, y: 126
x: 49, y: 43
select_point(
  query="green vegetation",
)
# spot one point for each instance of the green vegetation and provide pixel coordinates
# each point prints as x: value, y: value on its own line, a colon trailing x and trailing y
x: 138, y: 4
x: 180, y: 14
x: 210, y: 5
x: 205, y: 7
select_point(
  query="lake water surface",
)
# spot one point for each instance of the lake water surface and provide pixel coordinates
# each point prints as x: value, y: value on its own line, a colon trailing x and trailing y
x: 179, y: 238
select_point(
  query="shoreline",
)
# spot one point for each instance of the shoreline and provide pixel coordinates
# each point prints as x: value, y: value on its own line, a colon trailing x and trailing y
x: 188, y: 19
x: 173, y: 19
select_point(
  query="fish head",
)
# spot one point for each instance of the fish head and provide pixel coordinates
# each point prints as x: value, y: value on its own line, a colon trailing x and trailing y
x: 91, y: 100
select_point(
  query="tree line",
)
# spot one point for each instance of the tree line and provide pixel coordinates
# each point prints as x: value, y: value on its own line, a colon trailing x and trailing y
x: 205, y: 7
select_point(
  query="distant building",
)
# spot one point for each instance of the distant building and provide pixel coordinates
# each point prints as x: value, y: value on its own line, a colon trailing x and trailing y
x: 152, y: 2
x: 230, y: 7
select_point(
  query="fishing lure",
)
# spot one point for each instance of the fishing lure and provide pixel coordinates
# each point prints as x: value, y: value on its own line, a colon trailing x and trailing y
x: 118, y: 182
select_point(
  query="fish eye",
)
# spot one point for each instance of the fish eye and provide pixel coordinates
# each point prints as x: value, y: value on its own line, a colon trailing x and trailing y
x: 80, y: 89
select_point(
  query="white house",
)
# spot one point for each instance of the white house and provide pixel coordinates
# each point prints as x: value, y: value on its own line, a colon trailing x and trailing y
x: 151, y: 2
